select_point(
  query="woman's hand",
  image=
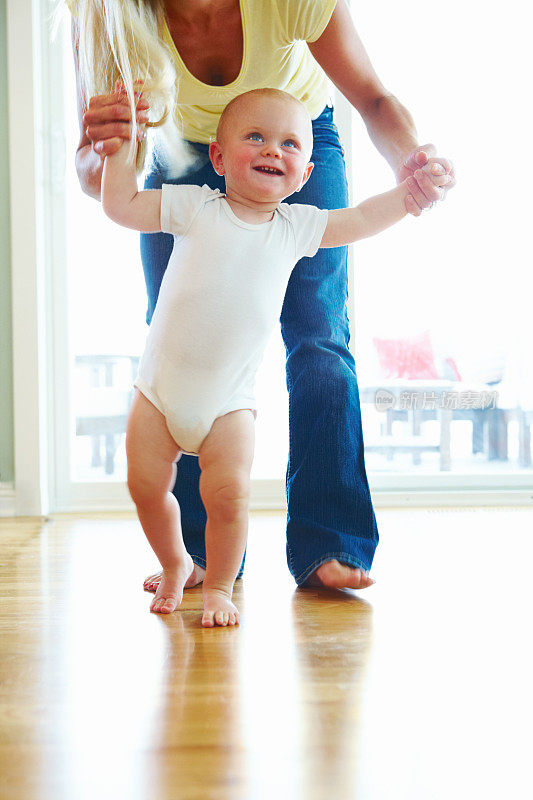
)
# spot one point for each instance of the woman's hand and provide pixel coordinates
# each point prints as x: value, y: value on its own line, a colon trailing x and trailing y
x: 418, y: 169
x: 108, y: 120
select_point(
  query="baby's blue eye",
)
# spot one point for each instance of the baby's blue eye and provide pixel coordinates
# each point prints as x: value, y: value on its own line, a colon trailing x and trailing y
x: 290, y: 142
x: 255, y: 136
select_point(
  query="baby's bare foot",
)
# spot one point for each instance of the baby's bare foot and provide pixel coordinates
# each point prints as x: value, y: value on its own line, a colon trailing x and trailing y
x: 197, y: 575
x: 218, y: 609
x: 169, y: 592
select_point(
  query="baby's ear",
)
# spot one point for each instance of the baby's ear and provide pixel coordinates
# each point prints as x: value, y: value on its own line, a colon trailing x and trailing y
x: 307, y: 174
x: 215, y: 154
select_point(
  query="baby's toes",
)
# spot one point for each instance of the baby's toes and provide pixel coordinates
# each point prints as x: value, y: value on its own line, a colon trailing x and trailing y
x: 232, y: 619
x: 169, y: 605
x: 164, y: 605
x: 221, y: 617
x: 208, y: 619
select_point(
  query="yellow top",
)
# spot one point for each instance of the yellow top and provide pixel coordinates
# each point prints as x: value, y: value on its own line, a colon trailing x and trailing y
x: 275, y: 55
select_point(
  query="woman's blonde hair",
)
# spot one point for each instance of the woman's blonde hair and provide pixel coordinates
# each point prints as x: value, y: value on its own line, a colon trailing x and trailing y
x: 121, y: 40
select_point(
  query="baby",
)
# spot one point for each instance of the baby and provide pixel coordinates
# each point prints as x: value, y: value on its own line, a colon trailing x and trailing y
x: 219, y: 300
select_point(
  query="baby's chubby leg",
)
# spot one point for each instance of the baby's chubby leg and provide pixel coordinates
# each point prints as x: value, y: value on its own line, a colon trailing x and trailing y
x: 225, y: 456
x: 151, y: 453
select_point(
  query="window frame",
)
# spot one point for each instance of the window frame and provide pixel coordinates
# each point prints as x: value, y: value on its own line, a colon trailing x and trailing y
x: 41, y: 356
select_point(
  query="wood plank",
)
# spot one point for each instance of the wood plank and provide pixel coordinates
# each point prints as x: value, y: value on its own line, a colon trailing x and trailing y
x: 417, y: 688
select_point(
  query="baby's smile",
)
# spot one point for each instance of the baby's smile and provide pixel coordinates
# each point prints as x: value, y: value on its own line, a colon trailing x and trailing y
x: 268, y: 170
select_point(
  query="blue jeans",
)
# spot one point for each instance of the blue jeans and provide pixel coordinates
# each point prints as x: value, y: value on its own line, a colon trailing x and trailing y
x: 330, y: 514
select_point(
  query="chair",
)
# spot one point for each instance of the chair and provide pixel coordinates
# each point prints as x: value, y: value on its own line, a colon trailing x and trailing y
x: 102, y: 407
x: 412, y: 370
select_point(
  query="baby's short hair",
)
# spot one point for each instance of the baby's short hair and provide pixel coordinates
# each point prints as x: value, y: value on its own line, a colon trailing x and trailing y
x: 233, y: 105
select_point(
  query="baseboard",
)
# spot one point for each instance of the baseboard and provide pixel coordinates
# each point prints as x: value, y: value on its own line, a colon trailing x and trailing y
x: 457, y: 499
x: 269, y: 495
x: 7, y: 500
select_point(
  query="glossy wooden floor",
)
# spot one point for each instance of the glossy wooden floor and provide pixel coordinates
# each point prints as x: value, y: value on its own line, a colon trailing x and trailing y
x: 418, y: 688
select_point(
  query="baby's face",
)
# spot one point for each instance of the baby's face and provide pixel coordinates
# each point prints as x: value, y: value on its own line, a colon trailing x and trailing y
x: 265, y: 149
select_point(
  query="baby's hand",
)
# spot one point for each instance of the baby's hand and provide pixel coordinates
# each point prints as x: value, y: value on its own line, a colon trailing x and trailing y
x: 436, y: 172
x: 120, y: 92
x: 438, y: 177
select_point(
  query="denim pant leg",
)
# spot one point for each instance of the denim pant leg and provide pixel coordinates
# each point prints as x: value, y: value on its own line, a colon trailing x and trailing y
x: 155, y: 253
x: 330, y: 513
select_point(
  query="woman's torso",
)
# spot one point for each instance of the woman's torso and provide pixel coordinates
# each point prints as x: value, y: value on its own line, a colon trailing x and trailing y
x: 211, y: 52
x: 253, y: 44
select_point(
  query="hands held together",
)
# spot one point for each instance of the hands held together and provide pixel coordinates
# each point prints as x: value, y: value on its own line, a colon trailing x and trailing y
x: 107, y: 120
x: 428, y: 177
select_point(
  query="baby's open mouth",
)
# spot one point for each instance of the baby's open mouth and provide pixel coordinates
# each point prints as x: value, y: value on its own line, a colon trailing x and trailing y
x: 269, y: 170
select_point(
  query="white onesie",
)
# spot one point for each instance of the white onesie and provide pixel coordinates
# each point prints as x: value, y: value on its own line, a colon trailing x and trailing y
x: 220, y: 297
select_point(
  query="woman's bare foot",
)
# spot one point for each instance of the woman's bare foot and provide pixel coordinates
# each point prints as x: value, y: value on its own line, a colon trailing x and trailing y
x: 335, y: 575
x: 151, y: 583
x: 169, y: 592
x: 218, y: 609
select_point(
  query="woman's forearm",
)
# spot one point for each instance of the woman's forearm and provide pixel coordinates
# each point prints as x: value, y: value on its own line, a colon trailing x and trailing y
x: 89, y: 166
x: 391, y: 129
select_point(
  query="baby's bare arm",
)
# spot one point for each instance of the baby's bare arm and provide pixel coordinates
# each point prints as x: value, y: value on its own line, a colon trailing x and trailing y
x: 121, y: 200
x: 372, y: 216
x: 347, y: 225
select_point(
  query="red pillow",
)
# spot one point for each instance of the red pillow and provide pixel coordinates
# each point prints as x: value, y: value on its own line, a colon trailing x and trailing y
x: 410, y: 358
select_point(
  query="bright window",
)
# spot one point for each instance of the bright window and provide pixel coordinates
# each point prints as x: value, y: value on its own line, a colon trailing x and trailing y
x: 442, y: 303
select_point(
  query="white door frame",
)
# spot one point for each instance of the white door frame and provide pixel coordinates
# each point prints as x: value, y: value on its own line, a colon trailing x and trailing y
x: 28, y: 279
